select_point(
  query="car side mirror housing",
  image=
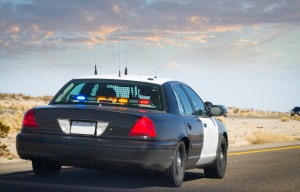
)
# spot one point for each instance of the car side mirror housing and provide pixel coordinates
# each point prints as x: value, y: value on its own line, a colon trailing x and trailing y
x: 215, y: 111
x: 208, y: 104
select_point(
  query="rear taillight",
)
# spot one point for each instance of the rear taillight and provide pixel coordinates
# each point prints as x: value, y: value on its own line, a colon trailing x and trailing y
x: 29, y: 119
x: 143, y: 127
x: 144, y: 102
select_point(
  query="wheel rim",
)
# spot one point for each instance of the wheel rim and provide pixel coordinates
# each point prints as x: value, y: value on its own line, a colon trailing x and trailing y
x: 179, y: 164
x: 222, y: 156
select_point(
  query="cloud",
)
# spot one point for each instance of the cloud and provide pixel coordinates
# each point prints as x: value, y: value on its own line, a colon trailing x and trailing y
x: 36, y: 27
x: 245, y: 42
x: 173, y: 65
x: 197, y: 20
x: 200, y: 39
x: 43, y: 25
x: 116, y: 9
x: 14, y: 29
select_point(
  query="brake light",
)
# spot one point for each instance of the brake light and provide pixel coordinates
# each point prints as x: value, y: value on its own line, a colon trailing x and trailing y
x: 29, y: 119
x: 143, y: 127
x: 144, y: 102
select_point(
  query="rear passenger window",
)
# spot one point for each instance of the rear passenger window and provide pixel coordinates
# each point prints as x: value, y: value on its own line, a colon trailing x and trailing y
x: 180, y: 105
x: 183, y: 100
x: 197, y: 102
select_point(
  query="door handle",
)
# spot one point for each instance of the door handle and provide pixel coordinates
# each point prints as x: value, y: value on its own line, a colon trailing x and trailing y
x: 189, y: 125
x: 205, y: 125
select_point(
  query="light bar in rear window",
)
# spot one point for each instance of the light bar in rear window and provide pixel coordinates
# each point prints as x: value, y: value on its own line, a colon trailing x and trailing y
x: 111, y: 92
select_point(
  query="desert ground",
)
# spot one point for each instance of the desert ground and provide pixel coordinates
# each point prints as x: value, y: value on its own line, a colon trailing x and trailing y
x: 245, y: 126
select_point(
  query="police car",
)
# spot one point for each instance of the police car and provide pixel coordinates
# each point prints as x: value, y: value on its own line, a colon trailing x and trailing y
x: 122, y: 122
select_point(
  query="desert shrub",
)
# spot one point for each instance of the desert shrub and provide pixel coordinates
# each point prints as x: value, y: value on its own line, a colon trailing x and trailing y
x: 236, y: 110
x: 258, y: 137
x: 16, y: 107
x: 46, y: 98
x: 4, y: 151
x: 12, y: 120
x: 233, y: 111
x: 27, y: 97
x: 4, y: 129
x: 13, y: 96
x: 296, y: 118
x: 285, y: 119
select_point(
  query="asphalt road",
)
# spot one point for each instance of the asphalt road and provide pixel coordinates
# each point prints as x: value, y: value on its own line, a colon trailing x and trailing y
x: 267, y: 170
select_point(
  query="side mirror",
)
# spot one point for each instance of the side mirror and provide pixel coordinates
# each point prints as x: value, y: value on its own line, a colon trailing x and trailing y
x: 208, y: 104
x: 223, y: 109
x: 216, y: 111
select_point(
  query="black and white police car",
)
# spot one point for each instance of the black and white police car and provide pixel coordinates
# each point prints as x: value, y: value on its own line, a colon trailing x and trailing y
x: 129, y: 121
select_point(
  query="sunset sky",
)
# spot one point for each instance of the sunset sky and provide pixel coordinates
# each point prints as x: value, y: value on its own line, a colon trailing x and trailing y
x: 236, y: 53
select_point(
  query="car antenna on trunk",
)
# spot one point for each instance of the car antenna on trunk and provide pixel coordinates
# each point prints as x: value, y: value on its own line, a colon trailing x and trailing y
x: 95, y: 73
x: 126, y: 71
x: 119, y: 59
x: 125, y: 41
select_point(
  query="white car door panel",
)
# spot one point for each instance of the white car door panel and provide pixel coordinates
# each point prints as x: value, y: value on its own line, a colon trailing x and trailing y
x: 210, y: 140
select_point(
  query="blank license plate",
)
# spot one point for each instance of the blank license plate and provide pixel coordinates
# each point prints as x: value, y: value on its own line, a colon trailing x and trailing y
x: 81, y: 127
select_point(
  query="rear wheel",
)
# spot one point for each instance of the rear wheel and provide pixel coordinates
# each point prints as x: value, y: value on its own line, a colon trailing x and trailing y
x: 218, y: 168
x: 45, y: 169
x: 177, y: 168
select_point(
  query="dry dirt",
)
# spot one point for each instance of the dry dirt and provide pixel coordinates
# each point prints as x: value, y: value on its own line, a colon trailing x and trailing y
x: 244, y: 130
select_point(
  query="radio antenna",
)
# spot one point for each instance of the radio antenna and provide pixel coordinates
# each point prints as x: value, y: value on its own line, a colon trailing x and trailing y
x: 119, y: 58
x: 95, y: 70
x: 126, y: 71
x: 125, y: 38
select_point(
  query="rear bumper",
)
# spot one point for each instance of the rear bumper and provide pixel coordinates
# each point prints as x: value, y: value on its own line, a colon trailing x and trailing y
x: 96, y: 152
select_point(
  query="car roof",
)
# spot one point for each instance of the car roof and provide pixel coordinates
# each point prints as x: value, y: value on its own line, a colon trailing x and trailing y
x: 138, y: 78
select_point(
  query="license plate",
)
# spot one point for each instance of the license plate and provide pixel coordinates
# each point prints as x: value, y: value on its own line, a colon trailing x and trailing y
x: 82, y: 127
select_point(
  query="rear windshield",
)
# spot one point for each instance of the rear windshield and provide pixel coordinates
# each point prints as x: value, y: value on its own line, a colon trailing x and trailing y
x: 115, y: 93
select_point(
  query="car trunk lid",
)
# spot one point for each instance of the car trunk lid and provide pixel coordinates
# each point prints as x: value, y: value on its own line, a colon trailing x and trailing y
x: 85, y: 120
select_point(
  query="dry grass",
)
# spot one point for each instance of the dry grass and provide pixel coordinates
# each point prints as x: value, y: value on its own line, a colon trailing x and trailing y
x: 12, y: 120
x: 237, y: 112
x: 296, y: 118
x: 285, y: 119
x: 259, y: 137
x: 9, y: 123
x: 12, y: 108
x: 4, y: 129
x: 4, y: 152
x: 21, y: 102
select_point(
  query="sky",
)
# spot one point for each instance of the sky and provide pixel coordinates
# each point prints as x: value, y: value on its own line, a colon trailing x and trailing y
x: 234, y: 52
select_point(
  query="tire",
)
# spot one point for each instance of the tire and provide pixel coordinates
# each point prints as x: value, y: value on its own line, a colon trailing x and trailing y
x: 44, y: 169
x: 218, y: 168
x: 177, y: 169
